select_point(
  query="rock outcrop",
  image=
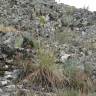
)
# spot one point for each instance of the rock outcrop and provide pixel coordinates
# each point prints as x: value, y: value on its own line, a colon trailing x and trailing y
x: 64, y: 28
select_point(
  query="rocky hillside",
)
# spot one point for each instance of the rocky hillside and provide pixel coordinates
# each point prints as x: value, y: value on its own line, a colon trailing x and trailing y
x: 53, y: 43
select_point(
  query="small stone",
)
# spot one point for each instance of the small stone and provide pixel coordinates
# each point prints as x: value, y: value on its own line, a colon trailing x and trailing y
x: 64, y: 57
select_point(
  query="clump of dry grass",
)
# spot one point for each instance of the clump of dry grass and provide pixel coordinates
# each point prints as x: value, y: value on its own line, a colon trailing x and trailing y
x: 7, y: 29
x: 44, y: 74
x: 41, y: 74
x: 80, y: 81
x: 44, y: 77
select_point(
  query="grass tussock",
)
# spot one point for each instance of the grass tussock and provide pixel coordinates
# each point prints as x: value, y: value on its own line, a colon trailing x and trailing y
x: 42, y: 74
x: 45, y: 78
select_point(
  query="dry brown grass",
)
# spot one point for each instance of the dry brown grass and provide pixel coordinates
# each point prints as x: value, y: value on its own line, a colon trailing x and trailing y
x: 81, y: 81
x: 45, y: 78
x: 7, y: 29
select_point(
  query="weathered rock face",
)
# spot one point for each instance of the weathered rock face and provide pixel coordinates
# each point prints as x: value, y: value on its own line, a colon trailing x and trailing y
x: 11, y: 45
x: 44, y: 16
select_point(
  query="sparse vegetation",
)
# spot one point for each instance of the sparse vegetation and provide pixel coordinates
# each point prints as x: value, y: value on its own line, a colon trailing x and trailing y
x: 42, y: 20
x: 50, y: 51
x: 67, y: 36
x: 44, y: 73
